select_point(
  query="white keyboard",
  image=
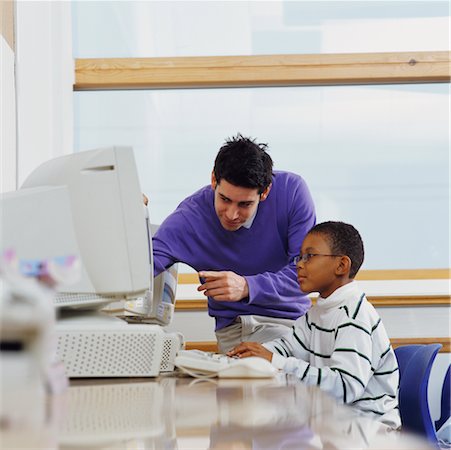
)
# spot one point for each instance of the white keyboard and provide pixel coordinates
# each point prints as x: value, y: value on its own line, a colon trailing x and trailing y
x: 197, y: 362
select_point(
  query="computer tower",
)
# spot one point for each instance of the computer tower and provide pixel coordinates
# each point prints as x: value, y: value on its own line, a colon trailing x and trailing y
x: 104, y: 346
x: 172, y: 343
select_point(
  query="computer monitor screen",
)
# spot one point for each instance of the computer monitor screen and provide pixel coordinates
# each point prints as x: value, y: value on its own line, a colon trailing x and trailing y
x: 109, y: 222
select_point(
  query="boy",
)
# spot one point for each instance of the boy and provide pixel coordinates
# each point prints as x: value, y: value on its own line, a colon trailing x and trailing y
x: 341, y: 344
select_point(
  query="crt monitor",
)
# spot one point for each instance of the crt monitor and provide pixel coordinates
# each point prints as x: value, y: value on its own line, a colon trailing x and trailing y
x: 154, y: 307
x: 109, y: 222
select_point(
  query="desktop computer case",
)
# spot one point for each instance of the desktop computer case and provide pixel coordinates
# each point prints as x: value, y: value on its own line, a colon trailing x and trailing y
x: 125, y: 350
x: 172, y: 343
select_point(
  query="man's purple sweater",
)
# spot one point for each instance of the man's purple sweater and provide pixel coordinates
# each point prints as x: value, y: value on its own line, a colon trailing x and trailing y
x: 263, y: 254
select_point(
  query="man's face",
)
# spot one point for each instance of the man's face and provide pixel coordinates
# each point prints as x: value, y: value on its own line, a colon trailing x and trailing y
x: 234, y: 205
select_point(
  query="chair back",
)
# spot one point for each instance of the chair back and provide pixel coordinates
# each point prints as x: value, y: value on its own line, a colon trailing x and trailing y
x: 415, y: 362
x: 403, y: 355
x: 445, y: 404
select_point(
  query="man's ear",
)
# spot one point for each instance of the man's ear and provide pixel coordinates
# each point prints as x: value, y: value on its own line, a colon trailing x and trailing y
x: 344, y: 266
x: 213, y: 181
x: 265, y: 193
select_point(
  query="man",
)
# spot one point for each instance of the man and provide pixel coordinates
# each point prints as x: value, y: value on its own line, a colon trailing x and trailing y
x: 241, y: 234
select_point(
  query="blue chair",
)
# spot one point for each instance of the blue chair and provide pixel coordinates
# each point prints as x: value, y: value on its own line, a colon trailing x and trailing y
x: 403, y: 355
x: 445, y: 408
x: 415, y: 362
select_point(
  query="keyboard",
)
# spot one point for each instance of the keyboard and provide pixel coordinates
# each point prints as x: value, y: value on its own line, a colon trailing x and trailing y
x: 199, y: 363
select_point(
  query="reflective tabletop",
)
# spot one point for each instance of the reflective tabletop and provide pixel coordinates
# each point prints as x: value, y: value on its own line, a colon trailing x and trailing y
x: 173, y: 412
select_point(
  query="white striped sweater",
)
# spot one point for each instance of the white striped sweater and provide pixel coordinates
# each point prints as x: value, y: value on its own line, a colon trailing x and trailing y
x: 341, y: 345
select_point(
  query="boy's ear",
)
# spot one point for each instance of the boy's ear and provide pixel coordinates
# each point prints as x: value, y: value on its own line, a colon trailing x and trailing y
x: 344, y: 266
x: 213, y: 181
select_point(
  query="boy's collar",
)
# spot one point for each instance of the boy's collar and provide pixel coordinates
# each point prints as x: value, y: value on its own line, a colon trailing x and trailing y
x: 339, y: 295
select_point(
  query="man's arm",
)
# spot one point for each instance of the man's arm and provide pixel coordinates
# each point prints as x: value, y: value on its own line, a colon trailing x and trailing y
x: 269, y: 289
x: 265, y: 287
x: 224, y: 286
x: 161, y: 252
x: 161, y: 257
x: 169, y: 245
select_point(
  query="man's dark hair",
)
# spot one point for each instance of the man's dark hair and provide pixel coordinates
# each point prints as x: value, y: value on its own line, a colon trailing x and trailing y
x: 244, y: 163
x: 343, y: 239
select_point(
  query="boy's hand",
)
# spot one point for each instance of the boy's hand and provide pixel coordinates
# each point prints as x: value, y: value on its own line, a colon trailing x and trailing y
x: 224, y: 286
x: 246, y: 349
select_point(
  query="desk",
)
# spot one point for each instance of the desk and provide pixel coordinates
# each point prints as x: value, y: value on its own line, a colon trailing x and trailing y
x: 172, y: 413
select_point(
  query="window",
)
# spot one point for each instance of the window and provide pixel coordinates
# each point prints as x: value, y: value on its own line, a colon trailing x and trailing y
x: 375, y: 156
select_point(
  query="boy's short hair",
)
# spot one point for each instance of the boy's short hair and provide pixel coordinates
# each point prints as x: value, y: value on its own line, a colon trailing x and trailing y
x: 244, y: 163
x: 343, y: 239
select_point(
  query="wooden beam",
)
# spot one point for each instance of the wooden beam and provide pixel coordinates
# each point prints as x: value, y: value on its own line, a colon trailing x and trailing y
x: 445, y: 341
x: 374, y: 275
x: 206, y: 346
x: 380, y: 301
x: 404, y: 274
x: 191, y: 305
x: 381, y: 275
x: 212, y: 346
x: 410, y: 300
x: 268, y: 70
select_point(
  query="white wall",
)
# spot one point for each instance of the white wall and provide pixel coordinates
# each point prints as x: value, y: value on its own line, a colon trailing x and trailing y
x: 7, y: 118
x: 44, y: 80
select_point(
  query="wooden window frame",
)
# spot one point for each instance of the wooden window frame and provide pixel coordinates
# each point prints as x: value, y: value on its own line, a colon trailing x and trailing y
x: 212, y: 346
x: 261, y: 71
x: 363, y: 275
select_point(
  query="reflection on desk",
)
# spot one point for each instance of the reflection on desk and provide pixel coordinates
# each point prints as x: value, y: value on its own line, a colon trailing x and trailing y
x: 181, y: 413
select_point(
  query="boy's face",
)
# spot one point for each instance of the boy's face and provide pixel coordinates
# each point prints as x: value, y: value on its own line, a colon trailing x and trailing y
x: 321, y: 272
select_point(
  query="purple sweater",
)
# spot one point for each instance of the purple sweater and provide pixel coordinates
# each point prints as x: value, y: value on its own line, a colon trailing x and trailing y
x: 263, y: 254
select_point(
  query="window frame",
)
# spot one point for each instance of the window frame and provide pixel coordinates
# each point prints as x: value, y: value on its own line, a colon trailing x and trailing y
x: 262, y: 71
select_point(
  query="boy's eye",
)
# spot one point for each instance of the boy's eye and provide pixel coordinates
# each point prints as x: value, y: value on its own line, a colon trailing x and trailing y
x: 304, y: 257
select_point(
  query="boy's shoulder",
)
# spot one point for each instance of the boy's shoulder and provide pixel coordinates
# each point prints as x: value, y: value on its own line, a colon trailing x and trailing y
x: 348, y: 304
x: 364, y: 315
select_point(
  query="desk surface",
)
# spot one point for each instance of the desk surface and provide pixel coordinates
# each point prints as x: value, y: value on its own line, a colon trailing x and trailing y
x: 172, y: 413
